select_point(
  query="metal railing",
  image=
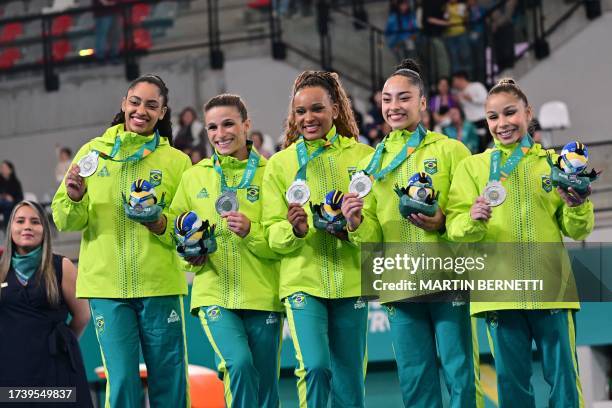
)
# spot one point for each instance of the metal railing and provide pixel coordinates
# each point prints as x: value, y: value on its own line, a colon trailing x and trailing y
x: 367, y: 72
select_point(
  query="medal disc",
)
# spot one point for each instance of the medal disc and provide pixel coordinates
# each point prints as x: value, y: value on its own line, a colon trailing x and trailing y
x: 360, y: 184
x: 494, y: 193
x: 421, y: 194
x: 88, y: 164
x: 298, y: 193
x: 226, y: 202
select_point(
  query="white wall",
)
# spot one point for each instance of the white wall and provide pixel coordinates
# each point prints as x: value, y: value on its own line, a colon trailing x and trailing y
x: 578, y: 73
x: 265, y: 85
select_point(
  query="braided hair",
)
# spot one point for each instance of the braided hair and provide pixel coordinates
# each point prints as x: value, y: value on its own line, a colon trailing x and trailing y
x: 345, y: 122
x: 163, y: 126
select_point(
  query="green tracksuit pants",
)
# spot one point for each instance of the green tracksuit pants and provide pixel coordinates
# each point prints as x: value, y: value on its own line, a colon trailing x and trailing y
x: 329, y: 336
x: 247, y: 352
x: 155, y: 324
x: 420, y: 333
x: 511, y: 333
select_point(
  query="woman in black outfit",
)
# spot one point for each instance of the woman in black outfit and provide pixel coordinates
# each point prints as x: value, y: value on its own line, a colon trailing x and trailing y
x: 37, y: 293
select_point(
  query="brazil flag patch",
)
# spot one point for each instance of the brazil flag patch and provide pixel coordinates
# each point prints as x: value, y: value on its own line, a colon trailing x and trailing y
x: 431, y: 166
x: 252, y: 193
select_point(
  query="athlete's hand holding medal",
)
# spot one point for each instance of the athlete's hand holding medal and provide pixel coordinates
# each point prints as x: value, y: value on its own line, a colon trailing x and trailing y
x: 298, y: 193
x: 75, y: 183
x: 238, y: 223
x: 227, y: 204
x: 298, y: 218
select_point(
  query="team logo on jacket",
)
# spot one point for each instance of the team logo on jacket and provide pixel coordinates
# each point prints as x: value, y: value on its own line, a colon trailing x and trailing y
x: 431, y: 166
x: 351, y: 171
x: 104, y: 172
x: 213, y: 313
x: 155, y: 177
x: 100, y: 324
x: 203, y: 193
x: 390, y: 311
x: 546, y: 183
x: 252, y: 193
x: 298, y: 300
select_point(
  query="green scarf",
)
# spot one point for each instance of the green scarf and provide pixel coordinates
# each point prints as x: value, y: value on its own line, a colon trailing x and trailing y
x: 25, y: 266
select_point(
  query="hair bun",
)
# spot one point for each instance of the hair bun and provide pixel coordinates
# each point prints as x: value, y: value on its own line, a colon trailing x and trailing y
x: 507, y: 81
x: 410, y: 64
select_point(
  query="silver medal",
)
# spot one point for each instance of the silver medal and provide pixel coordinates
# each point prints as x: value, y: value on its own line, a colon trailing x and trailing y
x: 298, y: 193
x: 494, y: 193
x: 360, y: 184
x: 88, y: 164
x: 226, y: 202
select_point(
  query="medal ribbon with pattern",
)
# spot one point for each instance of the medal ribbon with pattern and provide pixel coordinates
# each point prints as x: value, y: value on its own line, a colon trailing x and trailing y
x: 501, y: 173
x: 247, y: 176
x: 303, y: 157
x: 412, y: 143
x: 145, y: 150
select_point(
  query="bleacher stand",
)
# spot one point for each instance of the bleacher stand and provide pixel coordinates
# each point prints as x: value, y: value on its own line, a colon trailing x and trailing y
x: 73, y: 34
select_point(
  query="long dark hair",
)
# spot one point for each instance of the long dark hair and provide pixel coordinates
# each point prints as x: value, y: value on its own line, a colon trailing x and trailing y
x: 13, y: 176
x: 163, y: 126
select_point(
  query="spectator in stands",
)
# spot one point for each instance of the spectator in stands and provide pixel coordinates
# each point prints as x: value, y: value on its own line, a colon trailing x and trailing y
x: 401, y: 31
x: 456, y: 38
x: 188, y: 133
x: 427, y: 119
x: 10, y: 190
x: 287, y: 8
x: 107, y: 30
x: 535, y: 129
x: 476, y: 27
x: 375, y: 109
x: 472, y: 97
x: 258, y: 142
x: 358, y: 116
x: 462, y: 130
x: 64, y: 158
x: 281, y: 7
x: 503, y: 34
x: 434, y: 23
x: 442, y: 100
x: 38, y: 347
x: 374, y: 122
x: 196, y: 156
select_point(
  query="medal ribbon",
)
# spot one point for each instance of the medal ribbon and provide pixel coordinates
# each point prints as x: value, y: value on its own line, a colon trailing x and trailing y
x: 303, y: 157
x: 501, y: 173
x: 145, y: 150
x: 247, y: 176
x: 412, y: 143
